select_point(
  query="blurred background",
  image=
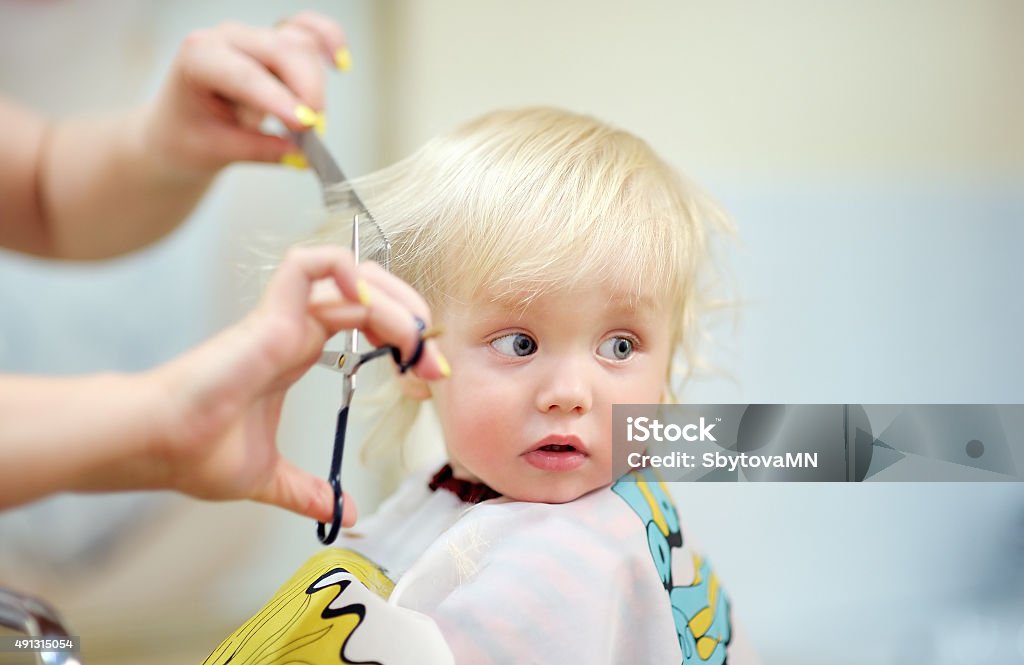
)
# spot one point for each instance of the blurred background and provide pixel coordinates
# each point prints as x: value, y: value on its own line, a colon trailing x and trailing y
x: 870, y: 154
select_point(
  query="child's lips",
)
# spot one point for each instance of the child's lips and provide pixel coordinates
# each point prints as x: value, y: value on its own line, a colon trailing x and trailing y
x: 558, y: 452
x: 559, y: 443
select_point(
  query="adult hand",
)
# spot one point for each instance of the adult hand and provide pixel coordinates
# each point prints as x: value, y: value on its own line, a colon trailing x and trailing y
x: 225, y: 80
x: 96, y: 187
x: 225, y: 397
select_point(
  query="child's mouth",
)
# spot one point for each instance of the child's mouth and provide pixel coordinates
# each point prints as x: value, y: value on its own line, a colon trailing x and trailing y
x: 557, y: 453
x: 558, y: 448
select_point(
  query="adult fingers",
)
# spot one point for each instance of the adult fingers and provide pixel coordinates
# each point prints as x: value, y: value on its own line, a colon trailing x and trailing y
x: 250, y: 145
x: 294, y: 55
x: 330, y: 35
x: 367, y: 304
x: 396, y: 288
x: 434, y: 365
x: 296, y: 490
x: 292, y: 284
x: 384, y: 320
x: 207, y: 61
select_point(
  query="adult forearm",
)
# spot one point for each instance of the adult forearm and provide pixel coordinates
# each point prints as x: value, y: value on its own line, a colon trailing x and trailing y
x: 103, y: 193
x: 93, y: 433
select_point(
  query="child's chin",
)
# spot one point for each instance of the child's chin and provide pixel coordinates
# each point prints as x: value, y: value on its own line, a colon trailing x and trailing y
x: 552, y: 492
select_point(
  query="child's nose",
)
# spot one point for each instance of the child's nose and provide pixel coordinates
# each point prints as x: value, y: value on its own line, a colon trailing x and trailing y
x: 565, y: 389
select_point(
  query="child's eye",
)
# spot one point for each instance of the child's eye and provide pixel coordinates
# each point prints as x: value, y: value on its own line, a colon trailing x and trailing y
x: 616, y: 348
x: 515, y: 344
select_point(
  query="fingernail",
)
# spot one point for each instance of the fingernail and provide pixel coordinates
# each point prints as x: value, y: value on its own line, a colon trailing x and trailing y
x: 343, y: 59
x: 364, y: 293
x: 306, y: 116
x: 296, y: 160
x: 321, y: 124
x: 446, y: 369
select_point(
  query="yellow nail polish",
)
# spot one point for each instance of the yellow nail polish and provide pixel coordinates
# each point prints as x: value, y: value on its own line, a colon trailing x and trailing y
x: 446, y: 369
x: 343, y: 59
x: 306, y: 115
x: 321, y: 124
x: 364, y: 293
x: 296, y: 160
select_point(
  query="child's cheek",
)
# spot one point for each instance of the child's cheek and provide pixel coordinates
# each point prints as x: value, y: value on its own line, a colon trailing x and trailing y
x: 482, y: 411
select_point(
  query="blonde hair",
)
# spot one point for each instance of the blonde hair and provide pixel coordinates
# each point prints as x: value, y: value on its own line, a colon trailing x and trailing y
x: 522, y: 202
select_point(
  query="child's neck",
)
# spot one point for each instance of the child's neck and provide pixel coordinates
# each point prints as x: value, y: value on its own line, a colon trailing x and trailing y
x: 470, y: 491
x: 461, y: 472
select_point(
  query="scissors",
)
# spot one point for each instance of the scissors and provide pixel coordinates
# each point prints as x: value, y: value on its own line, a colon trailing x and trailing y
x: 337, y: 195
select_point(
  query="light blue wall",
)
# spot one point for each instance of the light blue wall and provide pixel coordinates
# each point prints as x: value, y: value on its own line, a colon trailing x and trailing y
x: 874, y: 293
x: 890, y: 292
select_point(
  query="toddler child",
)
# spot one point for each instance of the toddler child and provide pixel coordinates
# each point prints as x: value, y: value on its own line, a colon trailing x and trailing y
x: 565, y: 262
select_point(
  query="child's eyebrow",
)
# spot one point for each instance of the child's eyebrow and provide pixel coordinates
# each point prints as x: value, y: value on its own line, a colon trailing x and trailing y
x: 631, y: 303
x: 622, y: 304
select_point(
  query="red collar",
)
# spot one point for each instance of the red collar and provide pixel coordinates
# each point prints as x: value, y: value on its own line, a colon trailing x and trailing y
x: 467, y: 490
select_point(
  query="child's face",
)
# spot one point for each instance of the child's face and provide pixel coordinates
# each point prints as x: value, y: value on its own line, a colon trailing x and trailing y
x: 528, y: 409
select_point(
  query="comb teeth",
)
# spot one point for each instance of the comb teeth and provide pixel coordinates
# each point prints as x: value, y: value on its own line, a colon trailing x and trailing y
x: 341, y: 197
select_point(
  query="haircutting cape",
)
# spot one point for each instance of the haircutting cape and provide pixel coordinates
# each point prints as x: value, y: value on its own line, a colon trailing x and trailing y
x: 334, y: 610
x: 606, y: 579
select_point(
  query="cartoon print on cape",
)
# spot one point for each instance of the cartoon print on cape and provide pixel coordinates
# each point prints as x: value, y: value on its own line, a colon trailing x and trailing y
x: 699, y: 606
x: 333, y: 611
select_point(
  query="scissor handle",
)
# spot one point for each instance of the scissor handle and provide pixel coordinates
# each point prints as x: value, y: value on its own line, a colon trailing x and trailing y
x: 396, y: 355
x: 327, y: 537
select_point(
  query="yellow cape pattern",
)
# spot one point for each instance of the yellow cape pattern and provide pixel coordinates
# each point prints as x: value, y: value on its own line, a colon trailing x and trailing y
x: 300, y: 624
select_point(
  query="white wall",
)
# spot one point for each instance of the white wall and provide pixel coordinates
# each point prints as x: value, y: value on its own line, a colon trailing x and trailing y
x: 795, y: 88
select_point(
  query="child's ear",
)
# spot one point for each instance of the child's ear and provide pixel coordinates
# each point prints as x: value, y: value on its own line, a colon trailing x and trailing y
x: 414, y: 387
